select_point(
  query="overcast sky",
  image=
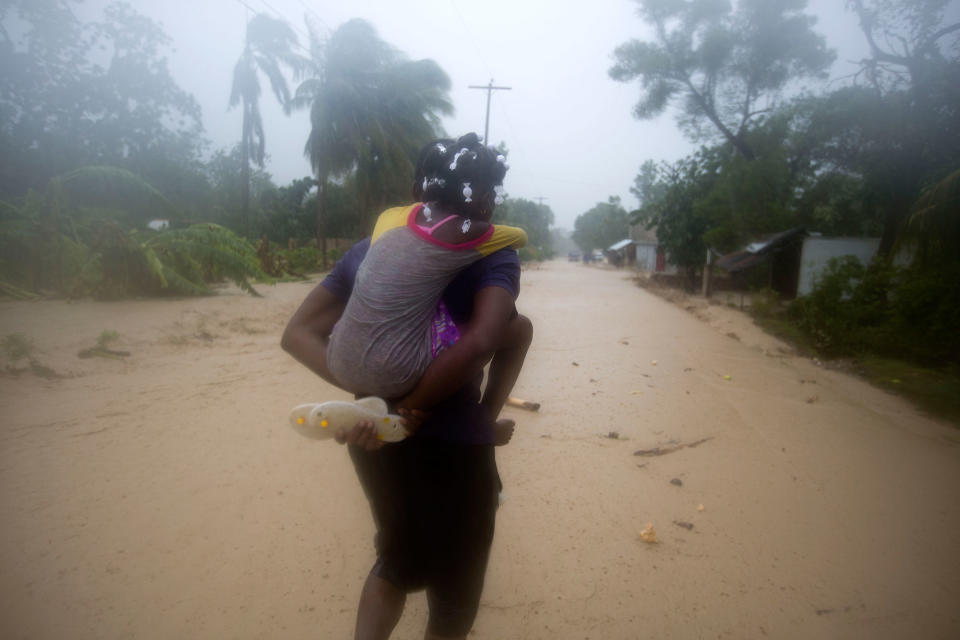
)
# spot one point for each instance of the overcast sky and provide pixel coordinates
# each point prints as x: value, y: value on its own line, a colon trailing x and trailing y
x: 568, y: 126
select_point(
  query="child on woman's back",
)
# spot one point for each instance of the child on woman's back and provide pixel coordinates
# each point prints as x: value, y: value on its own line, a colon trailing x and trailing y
x: 395, y: 323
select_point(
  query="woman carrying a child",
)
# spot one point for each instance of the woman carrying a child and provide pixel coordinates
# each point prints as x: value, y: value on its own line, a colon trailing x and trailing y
x: 434, y: 495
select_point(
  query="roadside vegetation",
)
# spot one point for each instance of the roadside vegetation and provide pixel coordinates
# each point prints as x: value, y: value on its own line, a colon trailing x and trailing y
x: 876, y: 154
x: 108, y: 188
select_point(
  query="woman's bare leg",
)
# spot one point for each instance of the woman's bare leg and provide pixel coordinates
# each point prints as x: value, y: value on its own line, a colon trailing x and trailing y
x: 381, y: 605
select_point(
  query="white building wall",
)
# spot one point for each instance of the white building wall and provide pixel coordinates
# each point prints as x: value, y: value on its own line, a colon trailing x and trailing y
x: 817, y: 252
x: 646, y: 257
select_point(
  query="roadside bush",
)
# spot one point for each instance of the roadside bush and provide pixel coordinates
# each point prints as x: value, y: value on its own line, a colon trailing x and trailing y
x: 925, y: 314
x: 302, y: 259
x: 900, y: 312
x: 765, y: 303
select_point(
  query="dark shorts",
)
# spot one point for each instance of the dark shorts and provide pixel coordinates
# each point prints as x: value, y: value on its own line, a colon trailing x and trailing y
x: 434, y: 505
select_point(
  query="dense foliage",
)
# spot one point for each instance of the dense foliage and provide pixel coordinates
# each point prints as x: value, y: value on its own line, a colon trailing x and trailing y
x: 371, y: 111
x: 601, y: 226
x: 533, y: 218
x: 876, y: 156
x: 108, y: 187
x: 890, y: 310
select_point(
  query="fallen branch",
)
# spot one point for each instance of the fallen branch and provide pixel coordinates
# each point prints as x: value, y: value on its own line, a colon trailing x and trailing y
x: 662, y: 451
x: 523, y: 404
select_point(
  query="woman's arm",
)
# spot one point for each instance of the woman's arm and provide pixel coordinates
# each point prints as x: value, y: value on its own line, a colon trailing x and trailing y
x: 492, y: 312
x: 308, y: 331
x: 306, y: 337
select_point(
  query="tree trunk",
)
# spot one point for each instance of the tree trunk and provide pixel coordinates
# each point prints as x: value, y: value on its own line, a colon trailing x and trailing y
x: 245, y: 173
x: 321, y: 215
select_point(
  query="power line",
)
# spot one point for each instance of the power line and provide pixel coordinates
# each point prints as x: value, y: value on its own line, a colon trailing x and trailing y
x: 316, y: 15
x: 291, y: 24
x: 472, y: 39
x: 517, y: 144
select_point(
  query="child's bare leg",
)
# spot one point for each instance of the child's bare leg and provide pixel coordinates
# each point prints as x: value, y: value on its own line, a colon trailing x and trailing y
x: 504, y: 371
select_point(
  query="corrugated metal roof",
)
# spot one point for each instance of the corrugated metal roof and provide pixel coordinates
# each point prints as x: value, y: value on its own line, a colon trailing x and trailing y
x: 756, y: 252
x: 620, y: 245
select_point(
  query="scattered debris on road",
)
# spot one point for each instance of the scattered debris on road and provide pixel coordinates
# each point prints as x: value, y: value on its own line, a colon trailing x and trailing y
x: 648, y: 535
x: 523, y: 404
x: 660, y: 451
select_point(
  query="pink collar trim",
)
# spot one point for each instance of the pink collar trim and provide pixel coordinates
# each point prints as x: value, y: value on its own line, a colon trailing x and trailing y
x: 420, y: 231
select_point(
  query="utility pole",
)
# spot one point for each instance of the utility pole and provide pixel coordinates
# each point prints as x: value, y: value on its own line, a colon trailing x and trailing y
x: 489, y: 88
x: 540, y: 200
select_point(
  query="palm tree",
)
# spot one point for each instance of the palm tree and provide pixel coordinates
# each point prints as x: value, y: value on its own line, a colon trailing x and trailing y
x: 269, y: 43
x: 371, y: 109
x: 933, y: 227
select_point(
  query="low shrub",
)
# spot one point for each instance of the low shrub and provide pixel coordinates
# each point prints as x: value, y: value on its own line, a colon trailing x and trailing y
x: 887, y: 310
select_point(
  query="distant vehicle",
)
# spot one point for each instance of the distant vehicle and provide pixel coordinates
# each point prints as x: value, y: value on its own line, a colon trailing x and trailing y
x: 573, y: 256
x: 597, y: 255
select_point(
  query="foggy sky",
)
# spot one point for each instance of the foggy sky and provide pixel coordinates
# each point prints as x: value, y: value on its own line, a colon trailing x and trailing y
x: 569, y: 128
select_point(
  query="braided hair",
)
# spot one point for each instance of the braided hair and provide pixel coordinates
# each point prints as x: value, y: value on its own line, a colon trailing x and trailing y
x: 462, y: 175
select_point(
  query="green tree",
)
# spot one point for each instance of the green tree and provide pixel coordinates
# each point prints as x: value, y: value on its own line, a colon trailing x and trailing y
x: 268, y: 44
x: 934, y: 225
x: 725, y: 65
x: 224, y: 174
x: 678, y: 214
x: 535, y: 219
x: 908, y: 117
x: 908, y: 42
x: 74, y: 94
x: 287, y: 212
x: 371, y: 110
x: 647, y: 187
x: 601, y: 226
x: 85, y: 235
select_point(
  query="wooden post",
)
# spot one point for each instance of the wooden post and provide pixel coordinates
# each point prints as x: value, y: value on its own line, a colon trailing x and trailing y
x: 708, y: 275
x: 489, y: 88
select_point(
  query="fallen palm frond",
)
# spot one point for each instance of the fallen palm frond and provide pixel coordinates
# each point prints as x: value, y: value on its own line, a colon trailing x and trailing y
x: 16, y: 292
x: 185, y: 259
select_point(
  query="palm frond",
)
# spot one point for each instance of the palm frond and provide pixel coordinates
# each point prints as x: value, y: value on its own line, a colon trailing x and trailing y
x: 217, y: 249
x: 103, y: 184
x: 934, y: 223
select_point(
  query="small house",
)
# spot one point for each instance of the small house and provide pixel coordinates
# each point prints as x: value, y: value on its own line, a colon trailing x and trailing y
x: 650, y: 256
x: 622, y: 253
x: 790, y: 262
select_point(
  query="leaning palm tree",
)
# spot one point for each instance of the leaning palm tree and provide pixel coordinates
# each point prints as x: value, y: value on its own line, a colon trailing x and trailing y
x: 371, y: 109
x: 933, y: 228
x: 269, y: 44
